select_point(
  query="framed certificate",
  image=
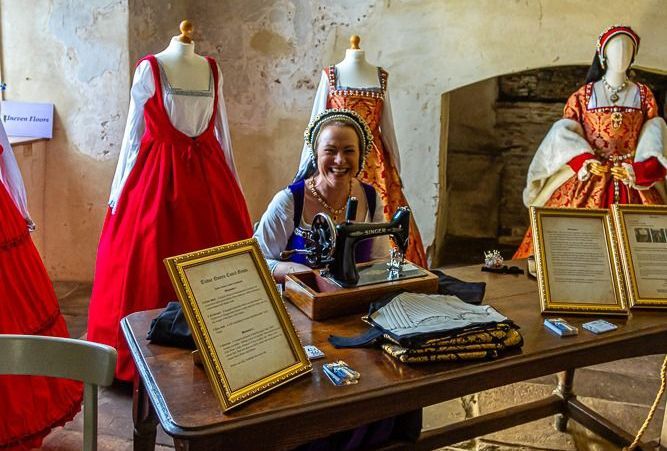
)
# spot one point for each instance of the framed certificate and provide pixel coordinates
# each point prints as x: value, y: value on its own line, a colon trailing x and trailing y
x: 642, y: 232
x: 577, y: 261
x: 245, y: 337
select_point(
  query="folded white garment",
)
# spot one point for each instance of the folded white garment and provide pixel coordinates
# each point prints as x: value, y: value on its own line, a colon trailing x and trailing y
x: 413, y: 313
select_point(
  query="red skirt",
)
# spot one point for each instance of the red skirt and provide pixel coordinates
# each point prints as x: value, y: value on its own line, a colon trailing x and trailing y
x: 30, y: 406
x: 179, y: 197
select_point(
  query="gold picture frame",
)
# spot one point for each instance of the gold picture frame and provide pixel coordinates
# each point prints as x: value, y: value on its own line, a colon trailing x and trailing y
x: 642, y: 233
x: 577, y: 261
x: 245, y: 337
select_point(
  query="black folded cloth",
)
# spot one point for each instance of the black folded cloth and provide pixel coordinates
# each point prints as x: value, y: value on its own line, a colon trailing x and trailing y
x: 470, y: 292
x: 504, y: 269
x: 170, y: 328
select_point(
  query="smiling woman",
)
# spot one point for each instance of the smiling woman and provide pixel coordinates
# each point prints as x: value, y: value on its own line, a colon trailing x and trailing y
x: 339, y: 141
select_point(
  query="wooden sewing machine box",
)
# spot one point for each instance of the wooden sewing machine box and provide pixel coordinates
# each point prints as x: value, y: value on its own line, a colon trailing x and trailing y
x: 321, y: 298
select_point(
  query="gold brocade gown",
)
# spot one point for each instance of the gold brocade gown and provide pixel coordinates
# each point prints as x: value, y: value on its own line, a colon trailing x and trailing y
x: 380, y: 170
x: 613, y: 133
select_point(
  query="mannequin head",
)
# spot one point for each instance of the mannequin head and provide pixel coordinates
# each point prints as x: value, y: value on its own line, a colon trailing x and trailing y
x: 616, y: 50
x: 619, y: 53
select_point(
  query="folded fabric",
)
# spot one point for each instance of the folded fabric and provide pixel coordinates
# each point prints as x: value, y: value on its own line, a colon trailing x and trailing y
x: 412, y: 319
x: 469, y: 346
x: 170, y: 328
x: 416, y: 317
x: 470, y: 292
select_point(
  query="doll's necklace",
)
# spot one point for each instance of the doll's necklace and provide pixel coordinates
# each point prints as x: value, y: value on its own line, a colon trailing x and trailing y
x: 614, y: 90
x: 320, y: 198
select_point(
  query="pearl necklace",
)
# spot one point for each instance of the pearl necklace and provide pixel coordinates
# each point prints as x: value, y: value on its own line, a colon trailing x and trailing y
x: 614, y: 90
x: 320, y: 198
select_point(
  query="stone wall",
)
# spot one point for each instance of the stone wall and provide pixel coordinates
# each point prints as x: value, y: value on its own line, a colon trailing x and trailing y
x: 72, y: 54
x: 80, y: 54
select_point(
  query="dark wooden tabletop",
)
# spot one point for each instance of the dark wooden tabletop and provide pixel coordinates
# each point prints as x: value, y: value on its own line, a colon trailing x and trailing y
x: 312, y: 407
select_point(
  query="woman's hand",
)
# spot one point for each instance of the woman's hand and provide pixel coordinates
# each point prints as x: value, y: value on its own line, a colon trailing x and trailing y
x: 284, y: 268
x: 31, y: 225
x: 598, y: 169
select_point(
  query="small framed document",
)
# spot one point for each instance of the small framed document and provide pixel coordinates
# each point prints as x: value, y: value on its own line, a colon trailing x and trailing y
x: 577, y: 261
x: 245, y: 337
x: 642, y: 233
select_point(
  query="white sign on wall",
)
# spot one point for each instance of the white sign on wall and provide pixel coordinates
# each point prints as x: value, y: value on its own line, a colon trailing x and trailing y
x: 27, y: 119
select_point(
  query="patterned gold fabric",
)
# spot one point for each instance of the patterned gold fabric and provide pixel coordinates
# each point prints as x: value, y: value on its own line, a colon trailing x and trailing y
x: 474, y: 345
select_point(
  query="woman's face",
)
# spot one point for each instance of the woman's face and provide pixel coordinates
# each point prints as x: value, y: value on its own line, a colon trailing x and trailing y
x: 338, y: 155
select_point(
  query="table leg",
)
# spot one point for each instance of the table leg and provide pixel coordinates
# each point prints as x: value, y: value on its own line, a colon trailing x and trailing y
x: 199, y: 444
x: 564, y: 390
x: 145, y: 420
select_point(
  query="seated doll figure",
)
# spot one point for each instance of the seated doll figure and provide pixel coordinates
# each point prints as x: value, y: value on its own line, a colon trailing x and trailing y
x: 609, y: 147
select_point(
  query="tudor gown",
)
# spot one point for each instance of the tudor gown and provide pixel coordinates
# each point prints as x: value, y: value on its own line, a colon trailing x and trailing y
x: 31, y: 405
x: 381, y: 170
x: 175, y: 191
x: 592, y: 128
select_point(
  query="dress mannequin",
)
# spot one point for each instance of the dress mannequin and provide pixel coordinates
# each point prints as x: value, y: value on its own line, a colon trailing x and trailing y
x: 175, y: 189
x: 357, y: 85
x: 609, y: 147
x: 183, y: 67
x: 354, y: 71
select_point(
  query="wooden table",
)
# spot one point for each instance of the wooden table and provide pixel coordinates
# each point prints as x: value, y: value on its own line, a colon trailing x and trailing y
x: 171, y: 390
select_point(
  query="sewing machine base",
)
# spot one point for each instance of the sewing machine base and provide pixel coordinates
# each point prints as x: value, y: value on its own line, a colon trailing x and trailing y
x: 321, y: 298
x: 377, y: 273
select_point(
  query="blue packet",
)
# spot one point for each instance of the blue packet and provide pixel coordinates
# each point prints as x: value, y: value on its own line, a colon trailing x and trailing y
x: 599, y: 326
x: 340, y: 373
x: 560, y: 327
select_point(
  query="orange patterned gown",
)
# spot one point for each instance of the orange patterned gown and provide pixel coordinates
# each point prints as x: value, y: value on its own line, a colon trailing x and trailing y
x: 380, y: 170
x: 613, y: 133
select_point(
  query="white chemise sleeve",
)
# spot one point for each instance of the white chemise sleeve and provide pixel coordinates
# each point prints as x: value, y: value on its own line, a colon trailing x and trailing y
x: 222, y: 129
x: 276, y: 227
x: 143, y: 88
x: 10, y: 176
x: 652, y: 141
x: 387, y: 132
x: 549, y: 169
x: 319, y: 105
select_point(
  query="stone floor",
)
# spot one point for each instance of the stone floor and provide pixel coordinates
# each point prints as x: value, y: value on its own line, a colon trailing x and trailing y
x: 621, y: 390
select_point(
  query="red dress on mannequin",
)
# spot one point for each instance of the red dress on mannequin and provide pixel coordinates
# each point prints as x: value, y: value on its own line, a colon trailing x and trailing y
x: 30, y: 405
x: 180, y: 197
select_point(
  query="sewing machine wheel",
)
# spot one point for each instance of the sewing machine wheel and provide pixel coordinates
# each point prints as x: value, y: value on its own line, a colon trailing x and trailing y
x: 323, y: 233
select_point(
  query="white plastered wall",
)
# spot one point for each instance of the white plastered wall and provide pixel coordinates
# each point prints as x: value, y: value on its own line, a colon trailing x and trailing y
x: 75, y: 54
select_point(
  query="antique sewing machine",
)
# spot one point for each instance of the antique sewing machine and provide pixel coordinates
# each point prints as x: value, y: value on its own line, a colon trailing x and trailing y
x: 342, y: 285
